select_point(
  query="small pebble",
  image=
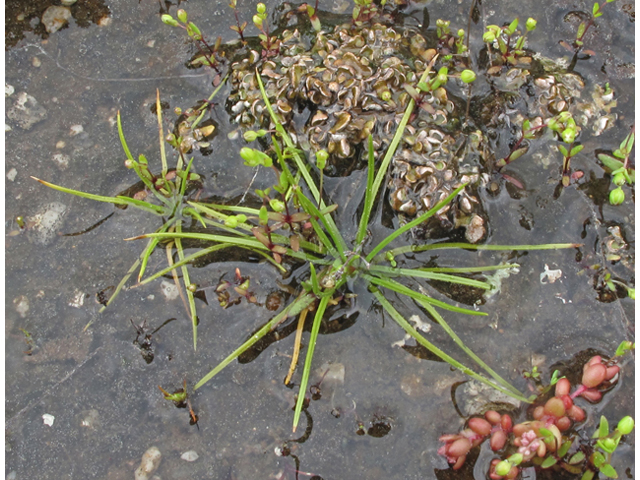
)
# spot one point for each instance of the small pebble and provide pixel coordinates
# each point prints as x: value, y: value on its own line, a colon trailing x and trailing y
x: 48, y: 419
x: 20, y: 17
x: 149, y: 464
x: 151, y: 43
x: 75, y: 130
x: 8, y: 90
x: 105, y: 21
x: 61, y: 144
x: 78, y: 299
x: 35, y: 61
x: 68, y: 3
x: 190, y: 456
x: 54, y: 18
x: 11, y: 174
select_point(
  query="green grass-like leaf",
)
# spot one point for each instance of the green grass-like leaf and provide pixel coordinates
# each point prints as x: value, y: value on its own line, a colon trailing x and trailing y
x: 290, y: 310
x: 317, y: 320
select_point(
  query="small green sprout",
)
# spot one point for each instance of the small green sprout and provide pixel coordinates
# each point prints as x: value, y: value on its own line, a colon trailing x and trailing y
x: 533, y: 374
x: 251, y: 136
x: 619, y: 164
x: 254, y: 158
x: 179, y: 396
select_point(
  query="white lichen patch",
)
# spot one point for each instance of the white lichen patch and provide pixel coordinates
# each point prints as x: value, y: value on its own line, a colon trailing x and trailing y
x: 331, y: 373
x: 75, y: 130
x: 550, y: 276
x: 169, y: 290
x: 496, y: 279
x: 21, y: 304
x: 419, y: 324
x: 42, y: 226
x: 61, y: 160
x: 26, y: 111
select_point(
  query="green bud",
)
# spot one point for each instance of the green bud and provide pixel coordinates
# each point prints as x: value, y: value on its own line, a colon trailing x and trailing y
x: 253, y: 157
x: 503, y: 468
x: 249, y: 155
x: 625, y: 344
x: 261, y: 8
x: 516, y: 458
x: 321, y: 159
x: 128, y: 163
x: 632, y: 293
x: 192, y: 287
x: 250, y: 135
x: 263, y: 215
x: 625, y: 426
x: 442, y: 75
x: 488, y: 37
x: 385, y: 96
x: 194, y: 31
x: 468, y: 76
x: 609, y: 445
x: 619, y: 179
x: 20, y: 221
x: 531, y: 24
x: 461, y: 33
x: 569, y: 135
x: 169, y: 20
x: 616, y: 196
x: 231, y: 222
x: 276, y: 205
x: 257, y: 21
x: 182, y: 15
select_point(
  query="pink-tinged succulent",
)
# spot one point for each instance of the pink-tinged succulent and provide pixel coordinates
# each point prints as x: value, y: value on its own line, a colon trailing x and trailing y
x: 594, y: 375
x: 502, y: 426
x: 455, y: 449
x: 536, y: 438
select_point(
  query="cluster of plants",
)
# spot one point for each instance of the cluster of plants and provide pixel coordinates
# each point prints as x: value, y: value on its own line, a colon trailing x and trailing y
x: 550, y: 437
x: 294, y: 227
x: 506, y: 47
x: 294, y: 224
